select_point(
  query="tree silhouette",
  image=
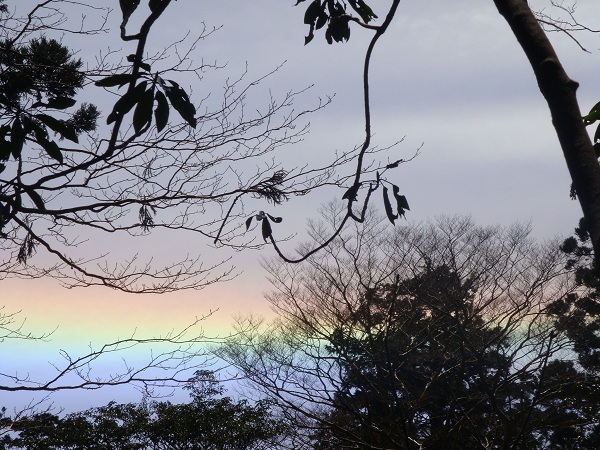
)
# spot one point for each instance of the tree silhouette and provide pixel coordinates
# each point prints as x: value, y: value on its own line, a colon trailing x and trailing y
x: 443, y: 335
x: 210, y: 421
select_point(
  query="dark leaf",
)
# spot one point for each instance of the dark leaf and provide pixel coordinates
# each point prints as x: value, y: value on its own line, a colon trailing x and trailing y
x: 338, y: 30
x: 126, y: 102
x: 249, y: 222
x: 363, y: 10
x: 5, y: 146
x: 298, y: 2
x: 56, y: 103
x: 181, y: 102
x: 328, y: 36
x: 143, y: 111
x: 388, y: 206
x: 597, y: 149
x: 597, y: 134
x: 594, y: 112
x: 4, y: 100
x: 17, y: 138
x: 161, y: 113
x: 131, y: 58
x: 266, y: 229
x: 30, y: 125
x: 58, y: 126
x: 310, y: 36
x: 400, y: 199
x: 119, y: 79
x: 51, y: 148
x: 37, y: 199
x: 321, y: 21
x: 312, y: 12
x: 394, y: 164
x: 145, y: 66
x: 275, y: 219
x: 351, y: 192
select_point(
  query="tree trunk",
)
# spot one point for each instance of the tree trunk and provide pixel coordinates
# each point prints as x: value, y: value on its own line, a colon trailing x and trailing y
x: 560, y: 93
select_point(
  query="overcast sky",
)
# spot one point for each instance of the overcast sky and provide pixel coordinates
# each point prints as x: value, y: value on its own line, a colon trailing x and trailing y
x: 448, y: 77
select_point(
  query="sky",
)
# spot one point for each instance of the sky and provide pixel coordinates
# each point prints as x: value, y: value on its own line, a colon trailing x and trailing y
x: 448, y: 78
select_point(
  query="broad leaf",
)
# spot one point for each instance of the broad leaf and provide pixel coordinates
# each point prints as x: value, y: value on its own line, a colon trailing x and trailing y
x: 388, y: 206
x: 17, y: 138
x: 143, y: 111
x: 400, y: 199
x: 51, y: 148
x: 267, y: 232
x: 5, y: 146
x: 312, y: 12
x: 58, y: 126
x: 593, y: 115
x: 394, y: 164
x: 5, y: 149
x: 338, y: 30
x: 181, y: 102
x: 56, y: 103
x: 310, y: 36
x: 351, y: 193
x: 126, y: 102
x: 249, y: 222
x: 37, y: 199
x: 365, y: 12
x: 119, y: 79
x: 275, y: 219
x: 321, y: 21
x: 161, y: 113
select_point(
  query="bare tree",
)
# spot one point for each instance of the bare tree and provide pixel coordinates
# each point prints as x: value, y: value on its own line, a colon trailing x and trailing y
x: 428, y: 336
x: 165, y: 163
x: 170, y: 360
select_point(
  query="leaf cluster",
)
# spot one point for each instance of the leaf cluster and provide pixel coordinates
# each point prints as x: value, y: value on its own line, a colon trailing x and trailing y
x: 38, y: 82
x: 401, y: 203
x: 334, y: 14
x: 590, y: 118
x: 263, y: 218
x: 144, y: 95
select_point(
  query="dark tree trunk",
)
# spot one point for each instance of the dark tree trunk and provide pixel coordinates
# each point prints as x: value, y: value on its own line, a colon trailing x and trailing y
x: 560, y: 93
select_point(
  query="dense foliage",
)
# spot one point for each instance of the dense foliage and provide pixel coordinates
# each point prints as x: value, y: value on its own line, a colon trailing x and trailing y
x: 210, y: 421
x: 442, y: 376
x: 438, y: 336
